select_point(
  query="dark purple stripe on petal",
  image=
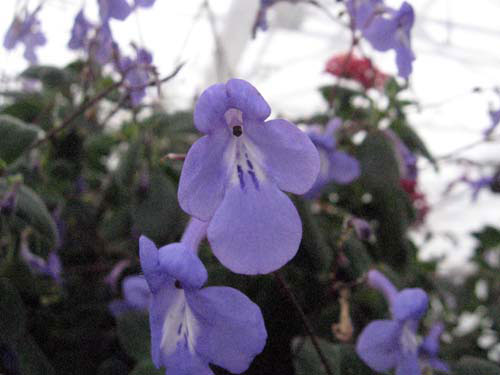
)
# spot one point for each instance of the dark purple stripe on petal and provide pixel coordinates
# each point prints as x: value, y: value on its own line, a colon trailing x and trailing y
x: 250, y: 165
x: 240, y: 176
x: 254, y: 179
x: 179, y: 330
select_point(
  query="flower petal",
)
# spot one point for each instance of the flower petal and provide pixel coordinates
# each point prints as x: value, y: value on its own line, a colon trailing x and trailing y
x: 404, y: 60
x: 439, y: 365
x: 343, y: 168
x: 378, y: 344
x: 408, y: 365
x: 210, y: 109
x: 136, y: 292
x: 183, y: 265
x: 231, y: 328
x: 203, y: 177
x: 148, y: 253
x: 410, y: 304
x: 379, y: 281
x: 290, y: 156
x: 381, y: 32
x: 255, y: 231
x: 243, y: 96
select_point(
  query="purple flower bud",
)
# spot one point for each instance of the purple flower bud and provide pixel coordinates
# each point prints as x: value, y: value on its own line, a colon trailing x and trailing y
x: 50, y: 267
x: 362, y: 228
x: 117, y: 9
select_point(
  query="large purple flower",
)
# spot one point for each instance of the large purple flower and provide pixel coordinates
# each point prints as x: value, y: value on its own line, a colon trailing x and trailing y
x: 233, y: 177
x: 387, y: 344
x: 386, y: 29
x: 80, y: 31
x: 336, y: 166
x: 26, y: 30
x: 192, y: 327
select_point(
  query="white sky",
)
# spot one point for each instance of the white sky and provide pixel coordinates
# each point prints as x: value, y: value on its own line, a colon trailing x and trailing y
x: 456, y: 43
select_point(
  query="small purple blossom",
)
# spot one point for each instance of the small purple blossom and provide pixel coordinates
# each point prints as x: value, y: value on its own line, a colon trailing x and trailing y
x: 478, y: 184
x: 387, y: 344
x: 192, y: 327
x: 114, y: 275
x: 336, y: 166
x: 136, y: 296
x: 137, y: 72
x: 233, y: 177
x: 495, y: 120
x: 80, y: 32
x: 386, y: 29
x: 117, y: 9
x: 25, y: 30
x: 361, y: 227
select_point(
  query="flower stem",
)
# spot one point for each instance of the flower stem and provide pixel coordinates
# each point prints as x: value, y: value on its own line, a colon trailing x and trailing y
x: 307, y: 325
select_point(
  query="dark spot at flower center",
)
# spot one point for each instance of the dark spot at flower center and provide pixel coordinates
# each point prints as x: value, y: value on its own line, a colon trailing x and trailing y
x: 177, y: 284
x: 237, y: 131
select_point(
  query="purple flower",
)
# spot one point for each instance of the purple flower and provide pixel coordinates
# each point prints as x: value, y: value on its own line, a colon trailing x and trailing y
x: 192, y: 327
x: 478, y: 185
x: 117, y: 9
x: 336, y: 166
x: 80, y: 31
x: 136, y: 294
x: 387, y: 344
x: 233, y: 177
x: 361, y: 227
x: 25, y: 30
x: 386, y: 29
x: 495, y: 120
x: 137, y: 72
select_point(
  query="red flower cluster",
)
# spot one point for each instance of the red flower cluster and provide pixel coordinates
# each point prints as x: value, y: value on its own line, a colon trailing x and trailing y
x: 358, y: 69
x: 417, y: 198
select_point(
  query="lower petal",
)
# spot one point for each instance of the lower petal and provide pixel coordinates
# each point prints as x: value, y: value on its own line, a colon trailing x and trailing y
x: 408, y: 365
x: 378, y: 344
x: 231, y: 328
x: 404, y: 60
x: 255, y: 231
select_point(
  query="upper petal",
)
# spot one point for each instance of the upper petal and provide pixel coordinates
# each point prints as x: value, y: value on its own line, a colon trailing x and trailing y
x: 290, y: 157
x: 381, y: 33
x: 182, y: 264
x: 210, y: 108
x: 136, y: 292
x: 231, y: 328
x: 255, y: 231
x: 243, y: 96
x: 378, y: 344
x: 404, y: 60
x: 203, y: 176
x: 410, y: 304
x: 379, y: 281
x: 148, y: 253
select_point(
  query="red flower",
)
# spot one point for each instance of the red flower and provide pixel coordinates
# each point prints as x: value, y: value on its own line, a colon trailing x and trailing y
x: 417, y: 198
x: 358, y: 69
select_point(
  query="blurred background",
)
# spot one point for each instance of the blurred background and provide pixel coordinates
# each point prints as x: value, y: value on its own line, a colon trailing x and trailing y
x: 454, y: 41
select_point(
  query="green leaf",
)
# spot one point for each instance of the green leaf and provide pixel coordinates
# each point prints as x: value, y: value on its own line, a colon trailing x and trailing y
x: 411, y: 139
x: 13, y: 321
x: 133, y: 333
x: 15, y: 137
x: 157, y: 215
x: 475, y: 366
x: 32, y: 360
x: 31, y: 210
x: 128, y: 164
x: 307, y: 361
x: 146, y: 367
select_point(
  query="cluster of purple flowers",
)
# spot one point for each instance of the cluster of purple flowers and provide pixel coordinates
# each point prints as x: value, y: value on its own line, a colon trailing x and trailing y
x: 393, y: 343
x: 386, y: 29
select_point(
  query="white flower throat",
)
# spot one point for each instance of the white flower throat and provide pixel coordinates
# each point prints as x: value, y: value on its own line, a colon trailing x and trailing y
x: 242, y: 157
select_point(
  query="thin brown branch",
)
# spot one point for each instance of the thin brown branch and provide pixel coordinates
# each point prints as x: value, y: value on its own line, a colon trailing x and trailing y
x: 307, y: 325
